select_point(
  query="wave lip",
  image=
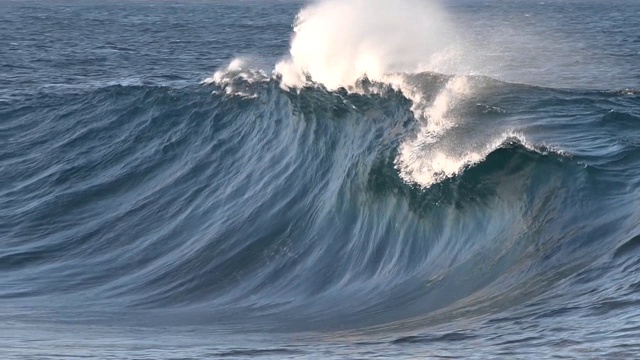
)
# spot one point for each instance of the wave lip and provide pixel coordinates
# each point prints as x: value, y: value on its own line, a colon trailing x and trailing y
x: 431, y: 167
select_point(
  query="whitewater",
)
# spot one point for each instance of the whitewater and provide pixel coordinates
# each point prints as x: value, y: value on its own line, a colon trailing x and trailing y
x: 367, y: 46
x: 327, y: 179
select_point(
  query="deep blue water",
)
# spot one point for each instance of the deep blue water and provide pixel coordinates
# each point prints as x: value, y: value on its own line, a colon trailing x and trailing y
x: 149, y: 213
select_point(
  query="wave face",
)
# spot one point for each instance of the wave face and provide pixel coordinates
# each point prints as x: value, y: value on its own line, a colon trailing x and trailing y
x: 385, y: 208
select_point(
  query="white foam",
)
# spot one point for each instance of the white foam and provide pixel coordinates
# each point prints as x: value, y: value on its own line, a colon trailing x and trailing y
x: 337, y: 42
x: 237, y: 77
x: 426, y: 166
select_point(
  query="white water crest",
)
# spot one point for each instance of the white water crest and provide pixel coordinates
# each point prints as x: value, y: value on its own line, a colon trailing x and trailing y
x: 337, y: 42
x: 236, y: 76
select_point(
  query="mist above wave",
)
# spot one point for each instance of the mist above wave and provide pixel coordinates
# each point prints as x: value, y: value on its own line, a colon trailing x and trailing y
x: 338, y: 42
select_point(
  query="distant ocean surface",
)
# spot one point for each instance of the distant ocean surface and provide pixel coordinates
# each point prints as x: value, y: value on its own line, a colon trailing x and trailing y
x: 338, y: 179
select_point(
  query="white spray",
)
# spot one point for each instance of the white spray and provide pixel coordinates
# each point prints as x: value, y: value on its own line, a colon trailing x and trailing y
x: 337, y: 42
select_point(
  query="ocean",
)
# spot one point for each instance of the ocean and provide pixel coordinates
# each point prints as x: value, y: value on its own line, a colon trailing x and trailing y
x: 330, y: 179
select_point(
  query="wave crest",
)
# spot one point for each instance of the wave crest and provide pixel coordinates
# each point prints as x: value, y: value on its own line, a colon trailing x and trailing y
x: 338, y: 42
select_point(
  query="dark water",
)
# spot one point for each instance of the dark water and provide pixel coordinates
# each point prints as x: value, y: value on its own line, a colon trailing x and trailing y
x: 145, y: 214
